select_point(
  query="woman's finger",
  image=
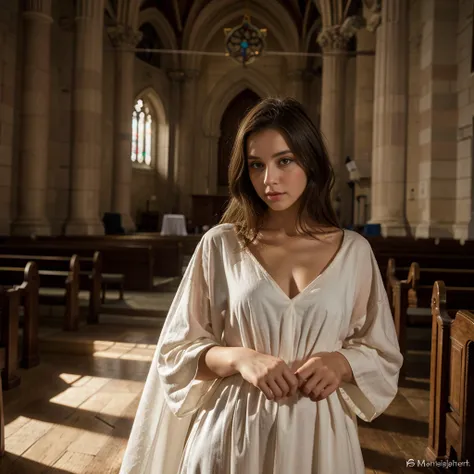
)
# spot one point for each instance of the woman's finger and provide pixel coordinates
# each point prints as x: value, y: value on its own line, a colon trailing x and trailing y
x: 266, y: 390
x: 292, y: 380
x: 283, y: 385
x: 319, y: 387
x: 275, y: 389
x: 331, y: 388
x: 312, y: 382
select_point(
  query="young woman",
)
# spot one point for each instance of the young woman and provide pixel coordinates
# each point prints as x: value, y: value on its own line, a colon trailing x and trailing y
x: 280, y: 332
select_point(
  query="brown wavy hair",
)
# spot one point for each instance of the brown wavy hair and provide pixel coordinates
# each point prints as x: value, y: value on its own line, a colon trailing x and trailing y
x: 246, y: 209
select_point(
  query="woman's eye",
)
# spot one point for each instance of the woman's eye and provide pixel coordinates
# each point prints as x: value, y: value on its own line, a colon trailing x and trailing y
x: 283, y: 161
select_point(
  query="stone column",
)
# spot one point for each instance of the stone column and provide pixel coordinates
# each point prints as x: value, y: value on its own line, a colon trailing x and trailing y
x: 35, y: 120
x: 211, y: 147
x: 439, y: 137
x: 185, y: 165
x: 84, y: 203
x: 364, y: 114
x: 123, y: 38
x: 9, y: 86
x: 334, y: 46
x: 295, y: 84
x: 177, y: 78
x: 390, y: 119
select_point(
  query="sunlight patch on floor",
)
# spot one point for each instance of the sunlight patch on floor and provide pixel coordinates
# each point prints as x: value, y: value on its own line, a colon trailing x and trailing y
x: 127, y: 351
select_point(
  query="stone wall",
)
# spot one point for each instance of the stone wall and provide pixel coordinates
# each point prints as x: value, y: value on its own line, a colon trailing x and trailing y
x: 439, y: 189
x: 413, y: 146
x: 437, y: 108
x: 464, y: 227
x: 62, y: 70
x: 9, y: 34
x: 147, y: 182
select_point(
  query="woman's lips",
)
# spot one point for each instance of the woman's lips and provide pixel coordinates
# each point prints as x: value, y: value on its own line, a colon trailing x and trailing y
x: 275, y: 197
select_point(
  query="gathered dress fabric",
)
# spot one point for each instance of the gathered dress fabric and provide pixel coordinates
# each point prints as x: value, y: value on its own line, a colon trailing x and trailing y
x: 185, y: 425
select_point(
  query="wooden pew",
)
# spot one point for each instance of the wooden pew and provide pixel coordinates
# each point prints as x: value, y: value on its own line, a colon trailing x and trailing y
x: 63, y: 277
x: 168, y: 250
x: 29, y: 299
x: 9, y: 308
x: 392, y: 276
x: 90, y: 274
x: 420, y: 246
x: 411, y: 298
x: 135, y: 261
x: 421, y: 282
x: 397, y: 293
x: 451, y: 436
x: 9, y: 315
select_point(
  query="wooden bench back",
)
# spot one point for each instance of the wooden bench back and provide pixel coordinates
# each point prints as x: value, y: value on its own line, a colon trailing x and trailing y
x: 28, y: 285
x: 406, y: 293
x: 421, y: 246
x: 421, y: 281
x: 134, y: 261
x: 441, y: 260
x: 67, y: 279
x: 452, y: 380
x: 9, y: 316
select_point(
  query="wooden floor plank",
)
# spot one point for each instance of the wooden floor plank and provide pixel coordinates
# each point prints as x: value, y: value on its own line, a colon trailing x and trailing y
x: 74, y: 412
x: 74, y: 463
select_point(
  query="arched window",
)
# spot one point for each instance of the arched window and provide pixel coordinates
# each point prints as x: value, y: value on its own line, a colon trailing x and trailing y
x: 143, y: 133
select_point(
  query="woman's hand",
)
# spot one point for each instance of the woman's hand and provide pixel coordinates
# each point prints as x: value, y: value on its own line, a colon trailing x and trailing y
x: 268, y: 373
x: 322, y: 374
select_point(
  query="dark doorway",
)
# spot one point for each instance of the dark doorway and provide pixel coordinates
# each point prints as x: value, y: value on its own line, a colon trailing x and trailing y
x: 231, y: 118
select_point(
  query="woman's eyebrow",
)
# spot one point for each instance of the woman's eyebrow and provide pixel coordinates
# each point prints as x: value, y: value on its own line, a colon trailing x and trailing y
x: 284, y: 152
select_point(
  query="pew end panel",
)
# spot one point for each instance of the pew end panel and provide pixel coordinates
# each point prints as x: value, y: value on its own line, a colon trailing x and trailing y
x: 2, y: 422
x: 451, y: 416
x: 30, y: 298
x: 9, y: 319
x: 71, y: 315
x: 27, y: 281
x: 400, y: 306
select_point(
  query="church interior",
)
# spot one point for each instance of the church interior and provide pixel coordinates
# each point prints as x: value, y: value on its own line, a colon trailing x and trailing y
x: 117, y: 121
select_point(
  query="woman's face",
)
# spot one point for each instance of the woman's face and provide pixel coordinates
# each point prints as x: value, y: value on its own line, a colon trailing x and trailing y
x: 274, y: 169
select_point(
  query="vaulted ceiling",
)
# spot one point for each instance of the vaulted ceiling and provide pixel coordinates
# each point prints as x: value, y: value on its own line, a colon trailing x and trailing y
x: 180, y: 12
x: 179, y: 24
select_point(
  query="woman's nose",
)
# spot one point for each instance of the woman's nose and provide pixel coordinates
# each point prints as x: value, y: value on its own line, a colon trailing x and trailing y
x: 272, y: 175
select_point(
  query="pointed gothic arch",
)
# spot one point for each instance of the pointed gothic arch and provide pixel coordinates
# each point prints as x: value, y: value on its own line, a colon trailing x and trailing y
x: 217, y: 101
x: 233, y: 114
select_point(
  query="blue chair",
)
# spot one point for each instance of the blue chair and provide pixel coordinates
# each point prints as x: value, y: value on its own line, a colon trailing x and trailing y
x: 372, y: 230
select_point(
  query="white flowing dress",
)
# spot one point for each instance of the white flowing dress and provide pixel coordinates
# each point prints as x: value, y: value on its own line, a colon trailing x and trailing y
x: 227, y: 426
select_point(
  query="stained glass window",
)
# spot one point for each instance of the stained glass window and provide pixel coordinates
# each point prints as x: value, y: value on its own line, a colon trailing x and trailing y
x: 245, y: 42
x: 142, y: 133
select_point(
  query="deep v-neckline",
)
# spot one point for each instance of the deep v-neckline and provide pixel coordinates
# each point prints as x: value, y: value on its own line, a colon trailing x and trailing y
x: 267, y: 275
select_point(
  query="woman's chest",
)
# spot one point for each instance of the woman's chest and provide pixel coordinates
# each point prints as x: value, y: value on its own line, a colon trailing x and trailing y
x: 294, y: 266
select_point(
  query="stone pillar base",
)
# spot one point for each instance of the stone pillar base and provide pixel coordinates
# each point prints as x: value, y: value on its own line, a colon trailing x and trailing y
x: 30, y: 227
x: 463, y: 231
x: 84, y: 227
x: 392, y: 228
x: 470, y: 229
x: 395, y: 229
x: 427, y: 230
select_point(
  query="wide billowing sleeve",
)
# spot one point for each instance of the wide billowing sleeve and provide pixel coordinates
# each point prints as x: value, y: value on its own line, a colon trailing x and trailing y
x: 193, y: 325
x: 371, y: 345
